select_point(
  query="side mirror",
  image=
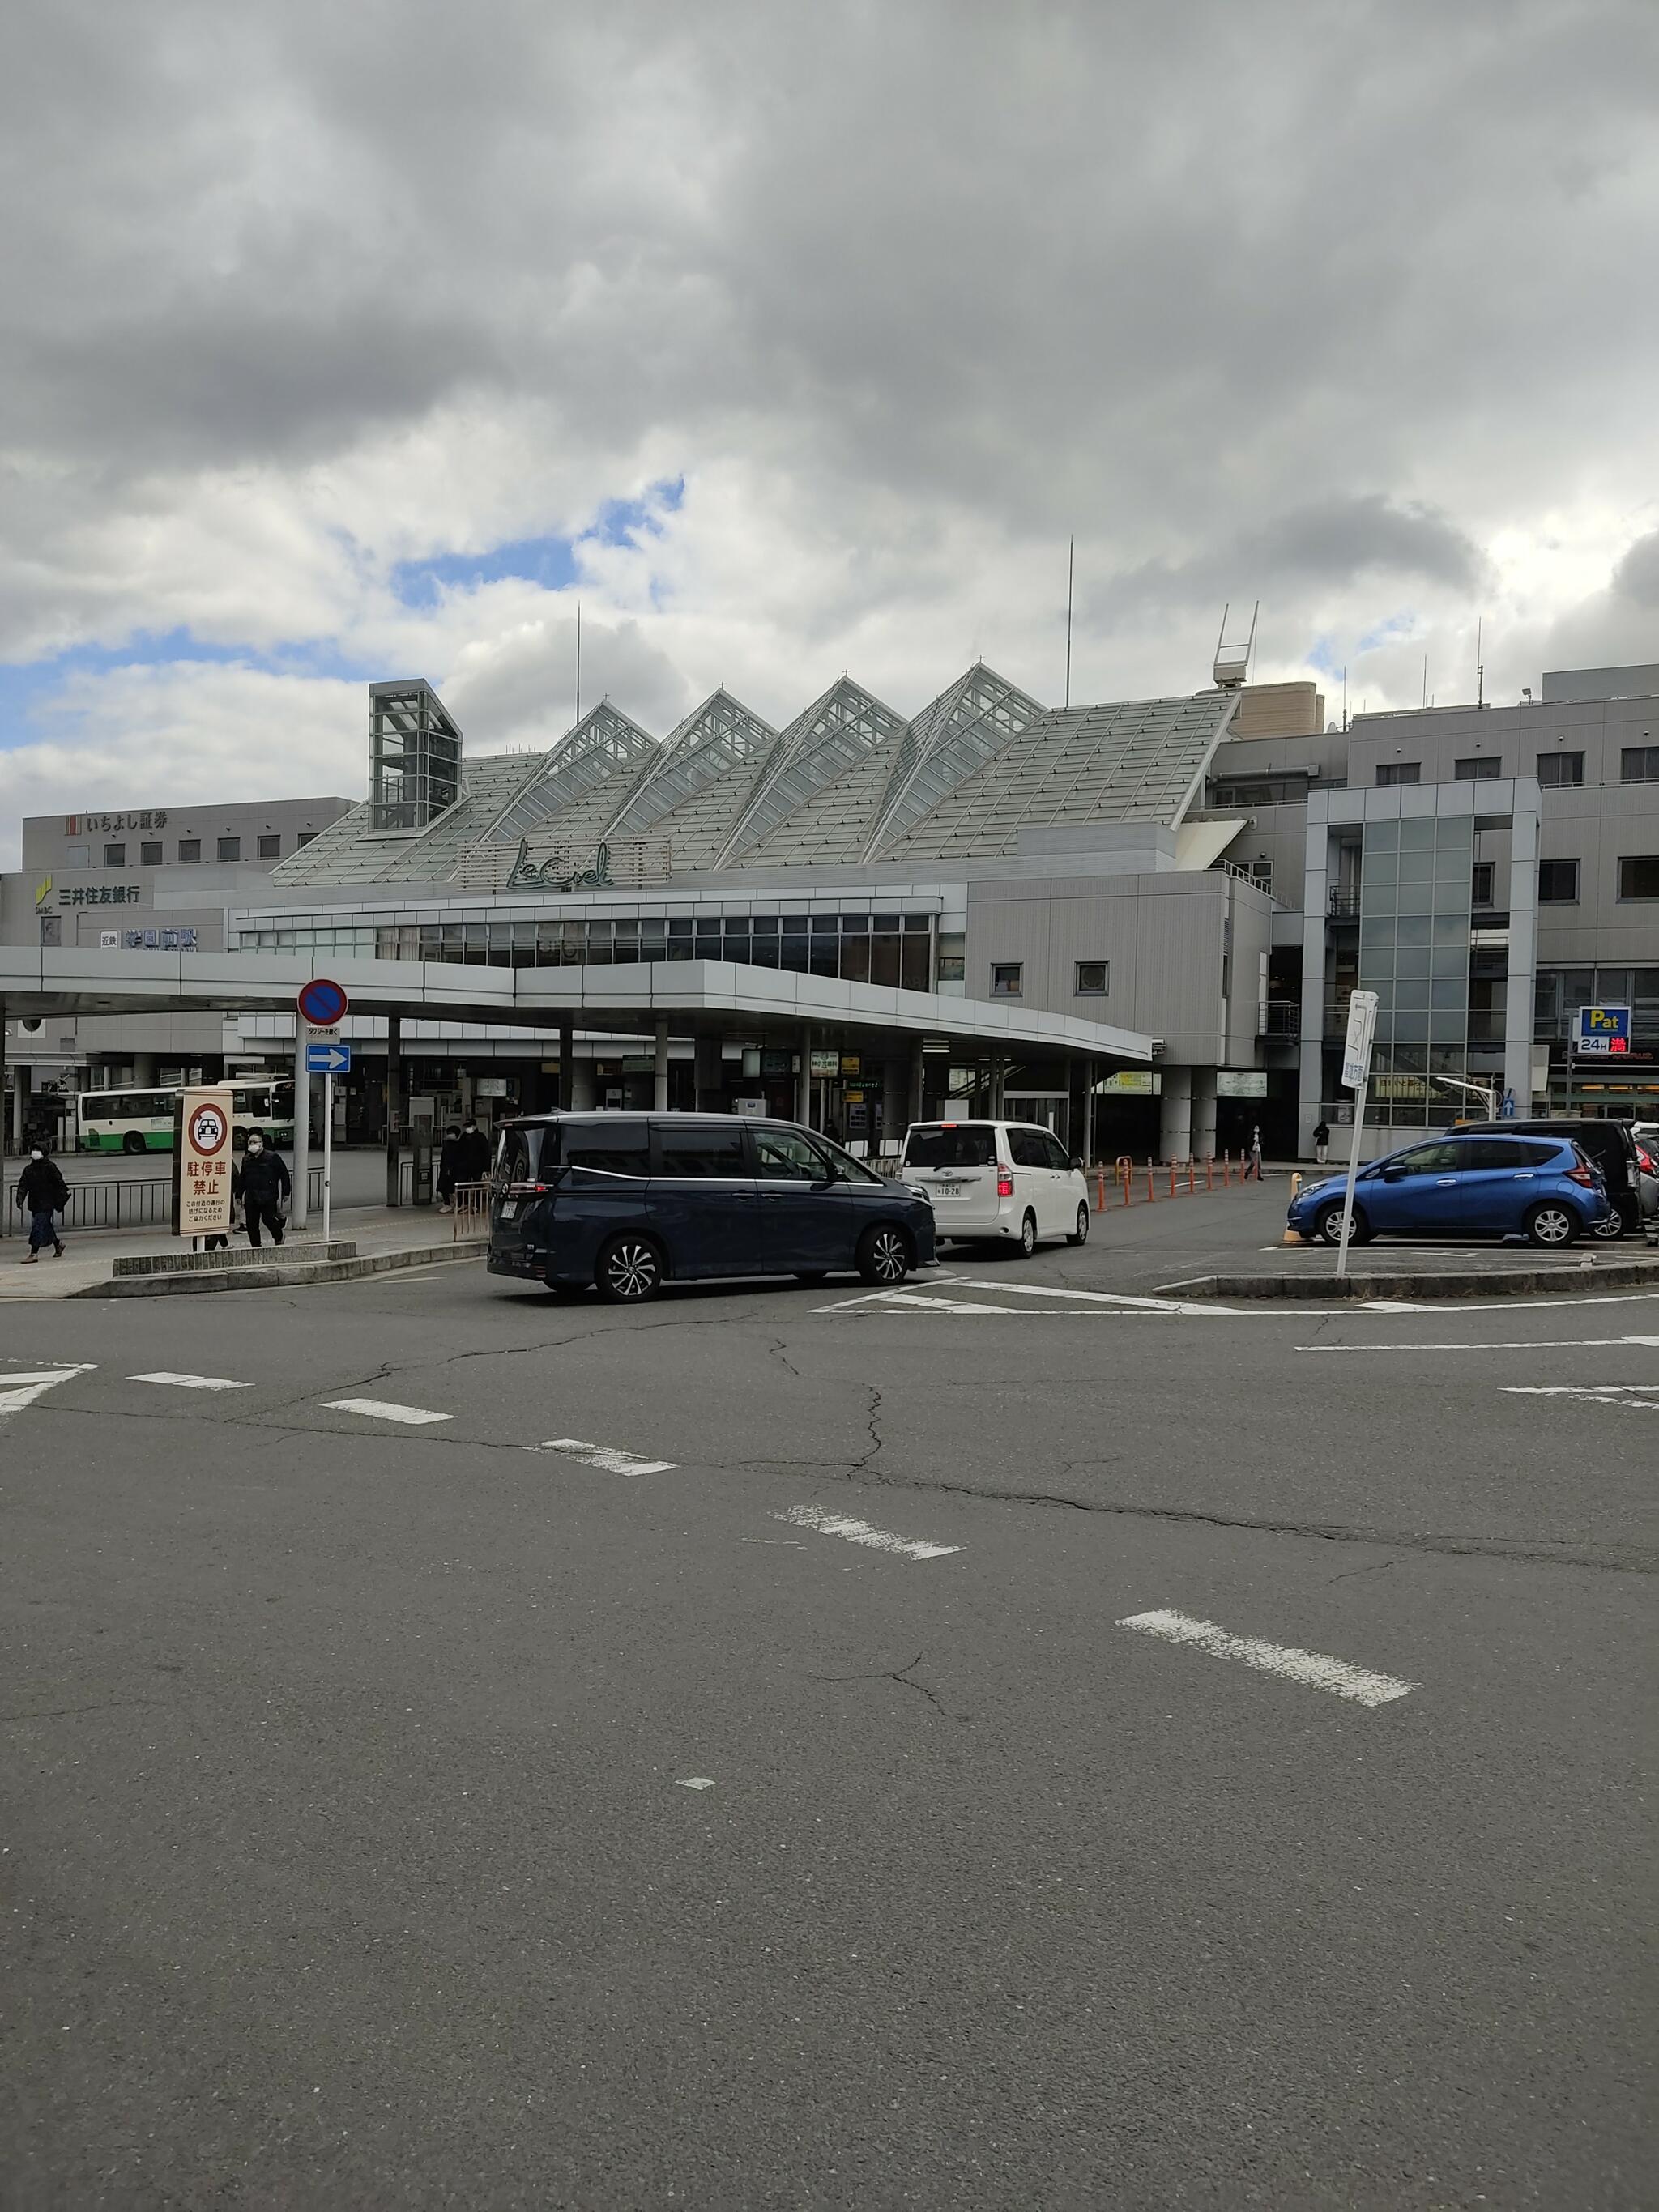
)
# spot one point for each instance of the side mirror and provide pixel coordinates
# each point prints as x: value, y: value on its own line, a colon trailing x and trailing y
x: 1395, y: 1174
x: 1077, y: 1162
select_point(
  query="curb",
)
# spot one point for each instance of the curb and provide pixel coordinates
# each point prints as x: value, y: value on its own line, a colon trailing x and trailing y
x: 274, y: 1277
x: 1617, y: 1274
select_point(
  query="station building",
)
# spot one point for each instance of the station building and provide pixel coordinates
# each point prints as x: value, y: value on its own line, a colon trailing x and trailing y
x: 1137, y: 921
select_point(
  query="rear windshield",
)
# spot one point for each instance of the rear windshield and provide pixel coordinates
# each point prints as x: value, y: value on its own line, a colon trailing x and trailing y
x: 964, y: 1145
x: 517, y: 1154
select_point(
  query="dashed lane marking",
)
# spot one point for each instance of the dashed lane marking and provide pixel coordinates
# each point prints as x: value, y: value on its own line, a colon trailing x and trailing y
x: 696, y: 1782
x: 1634, y: 1397
x: 382, y: 1409
x: 604, y: 1457
x: 18, y: 1390
x: 1316, y: 1670
x: 862, y: 1532
x: 189, y: 1382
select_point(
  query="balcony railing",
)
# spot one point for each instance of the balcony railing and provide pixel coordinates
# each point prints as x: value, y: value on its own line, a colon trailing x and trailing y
x: 1343, y: 905
x: 1284, y: 1017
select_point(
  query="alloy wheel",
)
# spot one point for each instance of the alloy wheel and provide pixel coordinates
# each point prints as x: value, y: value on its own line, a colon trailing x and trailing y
x: 1552, y: 1225
x: 888, y: 1256
x: 631, y: 1272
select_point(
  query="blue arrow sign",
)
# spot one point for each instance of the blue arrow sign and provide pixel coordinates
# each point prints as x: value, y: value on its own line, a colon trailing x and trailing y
x: 328, y: 1060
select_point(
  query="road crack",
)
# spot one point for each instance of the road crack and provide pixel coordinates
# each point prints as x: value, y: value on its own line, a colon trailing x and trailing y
x: 905, y: 1675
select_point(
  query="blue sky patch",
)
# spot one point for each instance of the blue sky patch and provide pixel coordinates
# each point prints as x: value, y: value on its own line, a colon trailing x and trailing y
x: 28, y: 686
x: 550, y: 562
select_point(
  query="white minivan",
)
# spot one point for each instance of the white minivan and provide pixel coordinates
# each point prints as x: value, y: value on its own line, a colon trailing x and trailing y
x: 997, y: 1183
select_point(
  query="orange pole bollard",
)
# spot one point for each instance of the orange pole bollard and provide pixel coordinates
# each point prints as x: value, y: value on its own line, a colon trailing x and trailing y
x: 1192, y: 1177
x: 1209, y: 1171
x: 1124, y: 1170
x: 1172, y: 1177
x: 1226, y: 1171
x: 1151, y: 1188
x: 1100, y: 1190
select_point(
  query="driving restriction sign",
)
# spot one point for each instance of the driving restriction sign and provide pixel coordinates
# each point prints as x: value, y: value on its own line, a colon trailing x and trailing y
x: 202, y: 1175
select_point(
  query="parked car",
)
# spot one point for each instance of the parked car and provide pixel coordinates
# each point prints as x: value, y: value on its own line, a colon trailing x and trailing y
x: 1606, y: 1144
x: 628, y: 1201
x: 1463, y: 1184
x: 998, y: 1182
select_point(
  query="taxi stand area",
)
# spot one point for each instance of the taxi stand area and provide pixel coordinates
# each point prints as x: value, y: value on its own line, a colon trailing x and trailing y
x: 909, y: 1047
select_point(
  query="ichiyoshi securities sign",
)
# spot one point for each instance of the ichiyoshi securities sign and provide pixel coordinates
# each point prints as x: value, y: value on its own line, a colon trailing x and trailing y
x: 202, y: 1163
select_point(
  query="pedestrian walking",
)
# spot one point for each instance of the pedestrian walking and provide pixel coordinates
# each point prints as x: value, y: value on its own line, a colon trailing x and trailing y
x: 42, y: 1192
x: 261, y: 1185
x: 1254, y: 1167
x: 447, y: 1153
x: 1321, y: 1141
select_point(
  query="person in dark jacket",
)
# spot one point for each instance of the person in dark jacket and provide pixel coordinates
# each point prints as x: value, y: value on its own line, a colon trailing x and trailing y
x: 1321, y: 1141
x: 446, y: 1176
x: 262, y: 1184
x: 471, y: 1154
x: 41, y: 1193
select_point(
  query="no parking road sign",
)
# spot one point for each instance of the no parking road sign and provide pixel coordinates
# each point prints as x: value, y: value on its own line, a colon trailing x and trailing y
x: 201, y: 1163
x: 322, y: 1004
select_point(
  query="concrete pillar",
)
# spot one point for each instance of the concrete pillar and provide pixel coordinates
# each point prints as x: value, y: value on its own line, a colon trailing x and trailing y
x: 998, y: 1065
x: 1176, y: 1121
x: 804, y: 1078
x: 916, y: 1082
x: 567, y: 1065
x: 895, y: 1101
x: 1203, y: 1112
x: 5, y: 1196
x: 394, y: 1107
x: 659, y: 1070
x: 584, y: 1087
x: 710, y: 1073
x: 1088, y: 1113
x: 300, y: 1202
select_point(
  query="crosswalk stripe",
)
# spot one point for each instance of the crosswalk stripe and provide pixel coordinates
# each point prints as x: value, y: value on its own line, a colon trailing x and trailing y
x: 189, y: 1382
x: 605, y: 1457
x: 382, y: 1409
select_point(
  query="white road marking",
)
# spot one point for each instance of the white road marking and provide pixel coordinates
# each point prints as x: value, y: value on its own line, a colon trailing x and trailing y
x: 861, y: 1532
x: 1102, y: 1299
x: 18, y: 1390
x: 382, y: 1409
x: 1510, y: 1343
x: 938, y: 1305
x: 1604, y: 1394
x: 695, y: 1781
x: 1316, y: 1670
x: 189, y: 1382
x: 604, y: 1456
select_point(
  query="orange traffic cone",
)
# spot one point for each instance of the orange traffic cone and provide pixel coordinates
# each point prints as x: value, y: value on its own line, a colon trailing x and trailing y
x: 1291, y: 1236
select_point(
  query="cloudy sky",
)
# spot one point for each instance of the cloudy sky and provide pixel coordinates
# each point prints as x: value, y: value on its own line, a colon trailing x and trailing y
x: 799, y: 335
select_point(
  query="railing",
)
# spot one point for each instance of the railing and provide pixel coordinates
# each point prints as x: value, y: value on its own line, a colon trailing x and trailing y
x: 119, y: 1203
x: 1185, y: 1178
x: 472, y: 1208
x: 1284, y: 1017
x: 1342, y: 905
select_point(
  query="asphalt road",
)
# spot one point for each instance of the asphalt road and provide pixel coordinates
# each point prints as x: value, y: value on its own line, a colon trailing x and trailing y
x: 405, y: 1813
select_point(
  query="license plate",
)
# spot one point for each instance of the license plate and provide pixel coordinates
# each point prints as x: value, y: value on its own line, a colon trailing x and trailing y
x: 509, y: 1208
x: 950, y: 1190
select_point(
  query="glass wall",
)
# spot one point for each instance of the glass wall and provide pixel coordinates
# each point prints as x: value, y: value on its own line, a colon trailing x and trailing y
x: 893, y: 948
x: 1415, y: 897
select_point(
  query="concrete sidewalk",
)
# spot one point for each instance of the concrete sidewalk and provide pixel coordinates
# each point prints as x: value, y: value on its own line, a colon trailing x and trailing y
x: 384, y: 1235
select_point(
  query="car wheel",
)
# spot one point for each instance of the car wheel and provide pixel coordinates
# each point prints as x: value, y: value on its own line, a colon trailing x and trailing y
x: 883, y: 1255
x: 133, y: 1142
x: 1028, y: 1237
x: 1080, y: 1234
x: 1328, y: 1228
x: 627, y: 1271
x: 1611, y: 1230
x: 1553, y: 1224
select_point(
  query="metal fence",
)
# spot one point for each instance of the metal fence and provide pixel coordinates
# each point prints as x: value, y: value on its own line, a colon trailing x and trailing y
x: 126, y: 1204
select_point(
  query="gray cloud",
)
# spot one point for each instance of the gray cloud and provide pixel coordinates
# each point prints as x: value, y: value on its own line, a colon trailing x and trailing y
x: 1637, y: 576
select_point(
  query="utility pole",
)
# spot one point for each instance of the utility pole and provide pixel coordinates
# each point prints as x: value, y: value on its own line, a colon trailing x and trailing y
x: 1070, y: 558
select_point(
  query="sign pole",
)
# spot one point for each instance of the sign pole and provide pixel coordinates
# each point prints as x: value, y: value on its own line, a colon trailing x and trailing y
x: 1356, y: 1075
x: 328, y: 1150
x: 302, y: 1129
x: 1353, y: 1171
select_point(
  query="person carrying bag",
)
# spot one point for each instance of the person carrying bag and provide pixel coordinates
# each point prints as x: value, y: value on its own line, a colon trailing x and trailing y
x: 262, y: 1187
x: 42, y: 1192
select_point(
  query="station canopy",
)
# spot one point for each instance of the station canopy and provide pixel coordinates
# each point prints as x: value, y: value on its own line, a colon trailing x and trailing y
x: 848, y: 782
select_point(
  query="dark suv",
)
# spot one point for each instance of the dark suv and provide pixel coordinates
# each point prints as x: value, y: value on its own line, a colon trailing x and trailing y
x: 1607, y: 1144
x: 626, y: 1201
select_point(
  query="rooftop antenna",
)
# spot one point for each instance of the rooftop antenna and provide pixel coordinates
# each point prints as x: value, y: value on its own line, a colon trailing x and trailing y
x: 1425, y: 679
x: 1232, y: 661
x: 1345, y: 702
x: 1071, y: 557
x: 578, y: 660
x: 1480, y: 665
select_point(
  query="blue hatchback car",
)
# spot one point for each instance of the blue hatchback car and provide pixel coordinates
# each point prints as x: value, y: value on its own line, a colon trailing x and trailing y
x: 1542, y: 1188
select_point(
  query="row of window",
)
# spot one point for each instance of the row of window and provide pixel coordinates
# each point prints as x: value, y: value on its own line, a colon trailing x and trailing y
x: 1557, y: 771
x: 152, y: 852
x: 1557, y: 880
x: 707, y: 1151
x: 1091, y: 979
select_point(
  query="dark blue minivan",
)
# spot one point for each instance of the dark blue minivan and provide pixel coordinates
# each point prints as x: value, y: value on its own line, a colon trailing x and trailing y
x: 626, y: 1202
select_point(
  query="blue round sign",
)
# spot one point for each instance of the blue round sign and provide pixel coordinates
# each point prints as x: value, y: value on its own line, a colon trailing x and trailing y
x: 322, y: 1003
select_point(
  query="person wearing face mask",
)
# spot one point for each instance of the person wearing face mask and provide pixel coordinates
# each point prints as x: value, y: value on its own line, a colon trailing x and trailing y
x: 261, y: 1185
x: 42, y: 1192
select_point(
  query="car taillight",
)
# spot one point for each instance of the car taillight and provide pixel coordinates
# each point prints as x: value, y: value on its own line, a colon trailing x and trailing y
x: 526, y: 1190
x: 1645, y: 1161
x: 1586, y: 1175
x: 1005, y: 1186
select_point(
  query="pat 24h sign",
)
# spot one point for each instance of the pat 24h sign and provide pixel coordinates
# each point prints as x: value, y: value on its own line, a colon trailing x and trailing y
x: 1602, y: 1031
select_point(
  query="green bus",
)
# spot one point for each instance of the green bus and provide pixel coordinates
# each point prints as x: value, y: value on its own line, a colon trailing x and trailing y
x: 135, y: 1121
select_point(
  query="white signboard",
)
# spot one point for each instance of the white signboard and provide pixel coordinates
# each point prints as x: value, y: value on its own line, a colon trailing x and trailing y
x: 1357, y: 1046
x: 201, y: 1163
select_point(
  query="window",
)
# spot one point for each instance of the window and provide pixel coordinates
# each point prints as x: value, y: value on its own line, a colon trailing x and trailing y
x: 190, y: 852
x: 607, y: 1147
x: 1429, y: 1159
x: 1007, y: 978
x: 1480, y: 878
x: 1638, y: 764
x: 77, y: 856
x: 781, y: 1156
x: 952, y: 966
x: 1498, y: 1153
x: 1028, y: 1148
x: 230, y: 848
x: 952, y: 1145
x: 1092, y: 979
x: 1399, y: 772
x: 1557, y: 883
x: 115, y: 856
x: 149, y: 854
x: 304, y: 838
x: 1537, y: 1155
x: 1639, y: 876
x: 1560, y: 771
x: 706, y: 1150
x: 1478, y: 768
x: 1057, y: 1155
x: 270, y: 846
